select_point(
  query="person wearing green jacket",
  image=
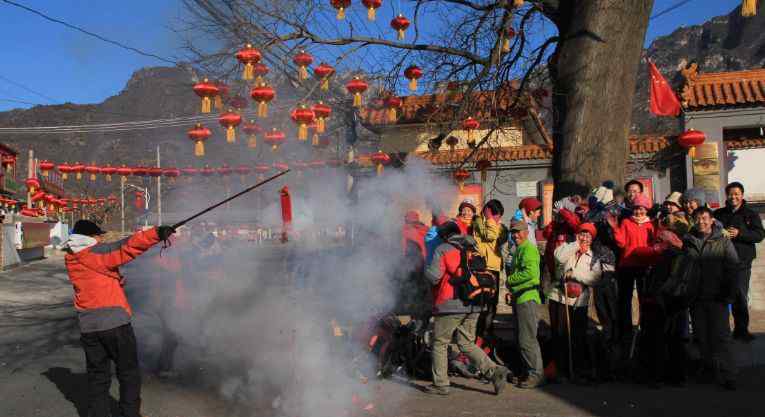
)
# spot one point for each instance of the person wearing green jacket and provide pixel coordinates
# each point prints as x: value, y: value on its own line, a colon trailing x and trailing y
x: 523, y: 283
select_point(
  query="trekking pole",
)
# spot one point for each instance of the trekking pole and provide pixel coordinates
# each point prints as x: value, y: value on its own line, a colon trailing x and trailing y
x: 568, y: 333
x: 237, y: 195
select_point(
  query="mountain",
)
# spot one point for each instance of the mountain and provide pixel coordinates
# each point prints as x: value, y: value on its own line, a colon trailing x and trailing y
x: 724, y: 43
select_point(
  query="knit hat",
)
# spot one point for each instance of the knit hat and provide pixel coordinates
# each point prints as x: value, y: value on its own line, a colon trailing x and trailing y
x: 589, y: 228
x: 641, y: 200
x: 466, y: 203
x: 674, y: 198
x: 697, y: 194
x: 530, y: 204
x: 86, y: 228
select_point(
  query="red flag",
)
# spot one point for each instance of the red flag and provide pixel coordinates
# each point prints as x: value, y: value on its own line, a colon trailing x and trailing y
x: 664, y: 102
x: 286, y: 212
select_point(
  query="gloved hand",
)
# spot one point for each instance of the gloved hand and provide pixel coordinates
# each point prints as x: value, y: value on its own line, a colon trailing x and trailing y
x: 165, y: 232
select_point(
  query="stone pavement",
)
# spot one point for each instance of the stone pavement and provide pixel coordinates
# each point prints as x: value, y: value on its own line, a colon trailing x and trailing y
x: 42, y: 374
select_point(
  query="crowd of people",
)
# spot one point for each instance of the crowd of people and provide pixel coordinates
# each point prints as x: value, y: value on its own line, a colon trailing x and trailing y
x: 689, y: 264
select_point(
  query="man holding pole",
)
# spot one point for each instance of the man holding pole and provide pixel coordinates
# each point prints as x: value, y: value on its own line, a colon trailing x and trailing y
x: 103, y: 311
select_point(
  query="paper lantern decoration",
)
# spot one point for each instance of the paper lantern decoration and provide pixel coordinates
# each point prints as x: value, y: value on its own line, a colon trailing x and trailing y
x: 207, y: 171
x: 357, y: 87
x: 224, y: 171
x: 93, y: 170
x: 78, y: 169
x: 171, y: 173
x: 690, y: 139
x: 372, y: 6
x: 323, y: 72
x: 248, y: 56
x: 108, y: 171
x: 238, y: 103
x: 303, y: 116
x: 261, y: 170
x: 400, y: 24
x: 469, y: 125
x: 45, y: 167
x: 461, y: 175
x: 199, y: 134
x: 380, y: 159
x: 230, y: 120
x: 322, y: 113
x: 252, y: 130
x: 260, y: 70
x: 274, y: 138
x: 281, y: 166
x: 262, y: 94
x: 206, y: 91
x: 483, y: 166
x: 413, y: 73
x: 33, y: 184
x: 452, y: 142
x: 303, y: 60
x: 222, y: 93
x: 340, y: 5
x: 392, y: 104
x: 243, y: 171
x: 141, y: 171
x: 124, y: 172
x: 65, y: 169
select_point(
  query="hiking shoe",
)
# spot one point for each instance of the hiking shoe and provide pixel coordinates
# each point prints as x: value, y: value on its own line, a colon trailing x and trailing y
x: 532, y: 381
x: 729, y: 385
x: 499, y: 379
x: 436, y: 390
x: 746, y: 337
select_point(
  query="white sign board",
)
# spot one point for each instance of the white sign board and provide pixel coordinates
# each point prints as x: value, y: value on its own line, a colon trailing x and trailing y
x: 746, y: 168
x: 526, y: 188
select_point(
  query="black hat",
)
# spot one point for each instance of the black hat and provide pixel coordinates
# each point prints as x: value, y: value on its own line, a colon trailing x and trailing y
x: 87, y: 228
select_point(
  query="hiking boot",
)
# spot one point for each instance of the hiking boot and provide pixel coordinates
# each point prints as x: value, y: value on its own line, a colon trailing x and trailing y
x: 499, y: 379
x: 532, y: 381
x: 436, y: 390
x: 729, y: 385
x: 746, y: 337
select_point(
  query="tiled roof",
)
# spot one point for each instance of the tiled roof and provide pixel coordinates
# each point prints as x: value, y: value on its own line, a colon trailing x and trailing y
x: 638, y: 145
x: 736, y: 144
x: 724, y: 89
x: 441, y: 108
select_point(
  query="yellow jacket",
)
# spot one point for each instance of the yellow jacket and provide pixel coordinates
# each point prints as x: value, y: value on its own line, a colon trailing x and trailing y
x: 490, y: 237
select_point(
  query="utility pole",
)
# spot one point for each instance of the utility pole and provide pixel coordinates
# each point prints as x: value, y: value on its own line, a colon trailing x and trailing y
x: 159, y: 192
x: 122, y: 203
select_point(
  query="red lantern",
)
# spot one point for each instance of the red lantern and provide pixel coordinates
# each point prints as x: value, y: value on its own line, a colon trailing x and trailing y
x: 392, y: 103
x: 323, y: 72
x: 252, y: 131
x: 45, y: 167
x: 380, y: 159
x: 280, y: 166
x: 461, y: 175
x: 108, y: 171
x: 171, y: 173
x: 78, y: 169
x: 64, y: 169
x: 262, y: 94
x: 303, y: 60
x: 274, y: 138
x: 372, y: 6
x: 222, y: 93
x: 322, y: 113
x: 238, y: 103
x: 243, y: 171
x: 155, y: 172
x: 303, y: 116
x: 93, y: 170
x: 248, y: 56
x: 260, y: 70
x: 340, y: 5
x: 33, y: 184
x: 508, y: 34
x: 207, y: 171
x: 206, y: 91
x: 262, y: 169
x: 124, y: 172
x: 400, y: 23
x: 189, y: 171
x: 141, y: 171
x: 357, y: 87
x: 199, y: 134
x: 690, y: 139
x: 317, y: 164
x: 224, y: 170
x: 230, y: 121
x: 9, y: 161
x: 413, y: 73
x: 483, y: 165
x: 112, y: 200
x: 452, y: 142
x: 470, y: 124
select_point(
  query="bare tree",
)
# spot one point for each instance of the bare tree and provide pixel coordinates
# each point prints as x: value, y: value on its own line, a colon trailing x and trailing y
x: 591, y: 49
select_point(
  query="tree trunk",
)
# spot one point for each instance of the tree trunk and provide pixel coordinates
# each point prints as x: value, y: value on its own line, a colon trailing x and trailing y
x: 594, y: 70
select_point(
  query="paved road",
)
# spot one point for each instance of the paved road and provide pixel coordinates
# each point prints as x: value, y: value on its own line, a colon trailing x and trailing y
x: 41, y: 374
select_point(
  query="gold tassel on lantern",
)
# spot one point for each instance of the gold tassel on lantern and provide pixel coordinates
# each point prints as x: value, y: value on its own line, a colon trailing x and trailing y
x: 249, y: 71
x: 325, y: 84
x: 315, y: 139
x: 749, y: 8
x: 401, y: 34
x: 356, y: 99
x: 206, y: 105
x: 341, y: 13
x: 518, y: 3
x: 79, y: 176
x: 108, y: 178
x: 506, y: 45
x: 413, y: 84
x: 392, y: 116
x: 302, y: 131
x: 92, y: 177
x: 692, y: 152
x: 252, y: 142
x: 231, y: 134
x: 320, y: 125
x: 218, y: 102
x: 64, y: 176
x: 199, y: 148
x: 380, y: 169
x: 263, y: 109
x: 371, y: 14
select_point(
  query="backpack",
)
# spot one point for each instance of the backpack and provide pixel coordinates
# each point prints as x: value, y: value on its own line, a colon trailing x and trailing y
x: 476, y: 286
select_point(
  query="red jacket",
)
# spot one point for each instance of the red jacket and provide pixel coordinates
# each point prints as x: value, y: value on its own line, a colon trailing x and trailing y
x: 557, y: 233
x: 465, y: 229
x: 630, y: 236
x: 414, y: 232
x: 94, y: 274
x: 445, y: 266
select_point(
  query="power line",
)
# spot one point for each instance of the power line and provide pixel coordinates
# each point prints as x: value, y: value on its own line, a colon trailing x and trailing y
x: 669, y: 9
x: 89, y: 33
x: 20, y: 85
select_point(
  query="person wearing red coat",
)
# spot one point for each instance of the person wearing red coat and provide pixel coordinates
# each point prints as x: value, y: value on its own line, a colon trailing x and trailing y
x: 104, y: 313
x: 631, y: 235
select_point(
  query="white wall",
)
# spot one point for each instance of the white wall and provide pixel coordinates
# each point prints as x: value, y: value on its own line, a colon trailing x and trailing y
x: 746, y: 167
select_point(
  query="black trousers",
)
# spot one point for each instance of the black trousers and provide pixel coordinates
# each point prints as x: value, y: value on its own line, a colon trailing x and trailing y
x: 661, y: 351
x: 627, y: 278
x: 580, y: 350
x: 485, y: 328
x: 741, y: 301
x: 101, y: 349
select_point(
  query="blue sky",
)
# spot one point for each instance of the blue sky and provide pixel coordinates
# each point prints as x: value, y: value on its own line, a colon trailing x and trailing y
x: 64, y: 65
